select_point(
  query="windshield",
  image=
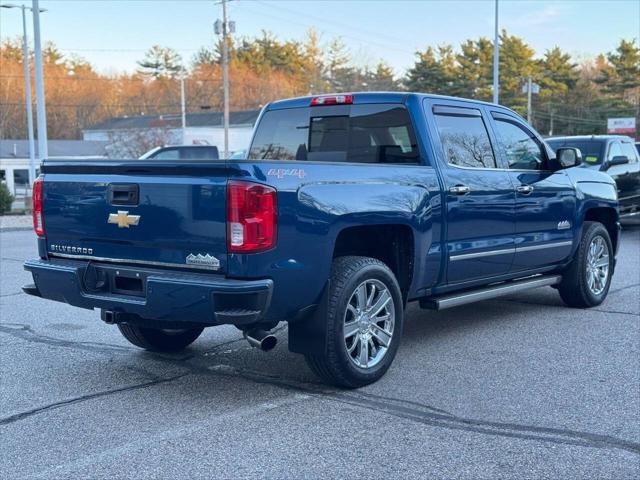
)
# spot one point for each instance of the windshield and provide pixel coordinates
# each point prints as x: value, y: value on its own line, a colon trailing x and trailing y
x: 592, y: 150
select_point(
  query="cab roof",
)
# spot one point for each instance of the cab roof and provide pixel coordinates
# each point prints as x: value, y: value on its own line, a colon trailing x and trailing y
x: 367, y: 98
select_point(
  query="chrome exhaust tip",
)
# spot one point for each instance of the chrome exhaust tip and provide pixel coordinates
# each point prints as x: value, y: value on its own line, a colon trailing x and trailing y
x: 261, y: 339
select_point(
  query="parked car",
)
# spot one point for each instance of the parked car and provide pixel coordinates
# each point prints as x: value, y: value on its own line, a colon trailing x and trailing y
x: 183, y: 152
x: 346, y: 208
x: 239, y: 155
x: 615, y: 155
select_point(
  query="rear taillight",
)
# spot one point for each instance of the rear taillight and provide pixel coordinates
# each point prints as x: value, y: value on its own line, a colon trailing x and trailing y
x: 332, y: 100
x: 251, y: 217
x: 38, y: 213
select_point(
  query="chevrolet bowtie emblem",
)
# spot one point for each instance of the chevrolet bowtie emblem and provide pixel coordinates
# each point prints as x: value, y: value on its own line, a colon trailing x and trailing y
x: 123, y: 219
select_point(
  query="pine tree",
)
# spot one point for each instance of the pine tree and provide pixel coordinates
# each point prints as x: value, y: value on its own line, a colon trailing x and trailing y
x: 204, y: 56
x: 516, y: 64
x: 558, y: 75
x: 160, y: 63
x: 475, y: 69
x: 381, y: 79
x: 427, y: 74
x: 11, y: 51
x: 51, y: 55
x: 447, y: 60
x: 623, y: 71
x: 314, y: 67
x: 340, y: 76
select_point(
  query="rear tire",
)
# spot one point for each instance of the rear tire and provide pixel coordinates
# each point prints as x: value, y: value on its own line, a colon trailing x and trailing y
x: 586, y: 281
x: 159, y: 340
x: 364, y: 323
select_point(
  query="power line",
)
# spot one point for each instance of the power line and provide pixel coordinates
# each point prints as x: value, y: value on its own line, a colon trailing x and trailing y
x: 200, y: 109
x: 333, y: 21
x: 358, y: 39
x: 100, y: 105
x: 567, y: 119
x: 116, y: 79
x: 120, y: 50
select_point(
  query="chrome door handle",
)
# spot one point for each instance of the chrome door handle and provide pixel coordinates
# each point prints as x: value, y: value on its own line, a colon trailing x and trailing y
x: 524, y: 189
x: 459, y: 190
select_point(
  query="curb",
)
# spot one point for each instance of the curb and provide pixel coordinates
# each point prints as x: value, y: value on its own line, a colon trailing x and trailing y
x: 15, y: 229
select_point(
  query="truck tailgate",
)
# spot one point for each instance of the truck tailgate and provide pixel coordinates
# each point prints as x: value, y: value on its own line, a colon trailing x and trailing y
x: 140, y: 212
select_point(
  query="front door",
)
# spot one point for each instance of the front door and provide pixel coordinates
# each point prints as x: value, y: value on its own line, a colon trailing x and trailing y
x: 479, y: 196
x: 545, y: 200
x: 626, y: 175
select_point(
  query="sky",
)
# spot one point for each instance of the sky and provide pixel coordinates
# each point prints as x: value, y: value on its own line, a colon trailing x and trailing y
x: 113, y: 34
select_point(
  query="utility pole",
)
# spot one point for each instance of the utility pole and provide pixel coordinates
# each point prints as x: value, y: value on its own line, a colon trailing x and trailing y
x: 223, y: 28
x: 183, y: 108
x: 43, y: 151
x: 225, y: 77
x: 529, y: 88
x: 496, y: 59
x: 27, y: 87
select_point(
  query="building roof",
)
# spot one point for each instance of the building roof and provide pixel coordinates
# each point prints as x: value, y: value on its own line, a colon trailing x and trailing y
x: 57, y: 148
x: 205, y: 119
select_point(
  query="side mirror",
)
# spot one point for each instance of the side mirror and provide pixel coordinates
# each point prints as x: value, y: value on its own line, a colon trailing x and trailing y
x: 569, y: 157
x: 617, y: 160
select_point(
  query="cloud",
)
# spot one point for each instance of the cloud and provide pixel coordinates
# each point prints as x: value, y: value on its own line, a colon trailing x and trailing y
x: 543, y: 17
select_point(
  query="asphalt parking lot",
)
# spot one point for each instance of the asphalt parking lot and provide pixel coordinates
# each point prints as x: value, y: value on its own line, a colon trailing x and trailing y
x: 520, y: 387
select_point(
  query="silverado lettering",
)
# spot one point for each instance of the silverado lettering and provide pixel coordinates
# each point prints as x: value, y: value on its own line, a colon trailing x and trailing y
x: 67, y: 249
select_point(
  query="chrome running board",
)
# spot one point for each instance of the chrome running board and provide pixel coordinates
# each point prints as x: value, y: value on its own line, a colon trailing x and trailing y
x: 486, y: 293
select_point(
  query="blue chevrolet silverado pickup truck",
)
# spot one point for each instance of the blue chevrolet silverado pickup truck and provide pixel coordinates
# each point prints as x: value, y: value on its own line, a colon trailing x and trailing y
x: 346, y: 208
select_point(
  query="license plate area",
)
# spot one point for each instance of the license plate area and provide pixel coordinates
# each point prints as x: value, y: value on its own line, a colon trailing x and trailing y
x: 115, y: 280
x: 128, y: 283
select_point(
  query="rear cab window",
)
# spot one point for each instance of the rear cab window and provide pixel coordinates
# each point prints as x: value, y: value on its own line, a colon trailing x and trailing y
x: 199, y: 153
x: 367, y: 133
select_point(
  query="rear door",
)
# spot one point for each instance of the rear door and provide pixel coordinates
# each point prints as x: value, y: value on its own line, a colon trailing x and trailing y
x: 479, y: 194
x: 627, y: 176
x: 545, y: 205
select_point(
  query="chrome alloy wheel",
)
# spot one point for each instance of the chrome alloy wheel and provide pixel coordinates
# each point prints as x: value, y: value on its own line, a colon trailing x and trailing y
x: 368, y: 323
x: 597, y: 271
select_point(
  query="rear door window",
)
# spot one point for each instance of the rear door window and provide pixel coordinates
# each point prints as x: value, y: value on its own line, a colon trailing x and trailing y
x: 168, y: 154
x: 615, y: 150
x: 629, y: 151
x: 464, y: 137
x: 377, y: 133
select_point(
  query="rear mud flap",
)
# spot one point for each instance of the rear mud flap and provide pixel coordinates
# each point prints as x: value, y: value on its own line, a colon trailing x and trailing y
x: 308, y: 334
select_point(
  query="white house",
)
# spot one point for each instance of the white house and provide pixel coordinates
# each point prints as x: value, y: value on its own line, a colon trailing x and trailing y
x: 14, y: 159
x: 151, y: 131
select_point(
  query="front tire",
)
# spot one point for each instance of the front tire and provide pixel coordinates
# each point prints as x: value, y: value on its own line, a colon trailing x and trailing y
x: 159, y: 340
x: 364, y: 323
x: 587, y: 280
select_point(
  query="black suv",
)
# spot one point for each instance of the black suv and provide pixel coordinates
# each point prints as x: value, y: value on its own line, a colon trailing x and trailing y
x: 615, y: 154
